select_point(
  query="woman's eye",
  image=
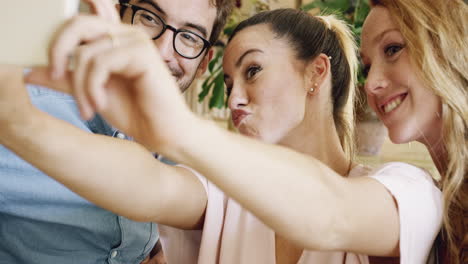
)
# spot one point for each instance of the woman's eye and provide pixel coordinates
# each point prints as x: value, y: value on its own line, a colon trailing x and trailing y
x: 252, y: 71
x: 365, y: 70
x: 392, y: 49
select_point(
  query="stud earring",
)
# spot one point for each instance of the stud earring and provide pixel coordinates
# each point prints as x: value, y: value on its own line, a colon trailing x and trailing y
x: 312, y: 89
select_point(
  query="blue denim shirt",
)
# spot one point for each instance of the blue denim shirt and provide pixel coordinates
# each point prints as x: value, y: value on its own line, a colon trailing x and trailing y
x: 41, y: 221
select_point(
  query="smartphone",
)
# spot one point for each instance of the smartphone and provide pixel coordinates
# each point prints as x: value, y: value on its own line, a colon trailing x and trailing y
x: 27, y: 28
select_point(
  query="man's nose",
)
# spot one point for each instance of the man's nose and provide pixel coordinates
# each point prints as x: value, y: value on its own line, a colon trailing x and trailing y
x: 165, y: 46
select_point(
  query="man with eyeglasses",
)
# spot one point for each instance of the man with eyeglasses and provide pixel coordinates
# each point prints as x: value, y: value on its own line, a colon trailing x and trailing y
x: 182, y: 31
x: 41, y: 221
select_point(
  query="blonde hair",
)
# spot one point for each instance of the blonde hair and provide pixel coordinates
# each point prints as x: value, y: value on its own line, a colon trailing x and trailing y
x: 345, y: 118
x: 436, y: 34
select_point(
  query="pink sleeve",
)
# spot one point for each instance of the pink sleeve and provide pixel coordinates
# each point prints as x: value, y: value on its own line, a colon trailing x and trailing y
x: 202, y: 179
x: 420, y: 208
x: 181, y: 246
x: 197, y: 246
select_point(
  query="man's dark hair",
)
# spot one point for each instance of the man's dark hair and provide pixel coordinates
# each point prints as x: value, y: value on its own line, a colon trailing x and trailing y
x: 223, y: 9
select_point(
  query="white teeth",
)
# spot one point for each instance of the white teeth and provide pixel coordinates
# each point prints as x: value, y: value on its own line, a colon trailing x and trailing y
x: 392, y: 105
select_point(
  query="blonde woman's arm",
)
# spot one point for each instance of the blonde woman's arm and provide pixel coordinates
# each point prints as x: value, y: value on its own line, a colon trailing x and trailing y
x: 395, y: 210
x: 298, y: 196
x: 115, y: 174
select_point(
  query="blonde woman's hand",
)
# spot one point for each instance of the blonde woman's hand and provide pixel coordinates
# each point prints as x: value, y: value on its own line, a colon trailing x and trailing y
x: 104, y: 9
x: 117, y: 72
x: 15, y: 103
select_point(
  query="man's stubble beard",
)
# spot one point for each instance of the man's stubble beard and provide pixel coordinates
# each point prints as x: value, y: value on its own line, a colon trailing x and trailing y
x: 184, y: 85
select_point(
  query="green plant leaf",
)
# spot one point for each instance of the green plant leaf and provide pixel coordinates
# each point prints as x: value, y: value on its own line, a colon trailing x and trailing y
x: 339, y: 5
x: 205, y: 82
x: 360, y: 14
x: 215, y: 60
x: 342, y: 6
x: 212, y: 64
x: 217, y: 99
x: 206, y: 87
x: 229, y: 29
x: 357, y: 31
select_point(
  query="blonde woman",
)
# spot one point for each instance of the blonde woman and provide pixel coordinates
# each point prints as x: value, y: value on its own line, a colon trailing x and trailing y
x: 417, y: 62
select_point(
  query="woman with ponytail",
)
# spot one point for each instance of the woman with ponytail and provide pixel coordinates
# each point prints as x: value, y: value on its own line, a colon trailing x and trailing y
x: 290, y: 79
x: 416, y: 55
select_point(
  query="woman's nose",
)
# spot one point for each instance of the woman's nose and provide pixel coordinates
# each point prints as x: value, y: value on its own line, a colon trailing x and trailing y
x: 237, y: 98
x: 376, y: 80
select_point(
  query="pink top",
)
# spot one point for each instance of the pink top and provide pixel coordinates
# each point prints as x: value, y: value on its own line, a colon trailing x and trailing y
x: 232, y: 235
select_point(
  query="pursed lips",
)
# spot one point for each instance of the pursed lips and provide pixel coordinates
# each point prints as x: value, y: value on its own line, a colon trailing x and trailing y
x: 238, y: 116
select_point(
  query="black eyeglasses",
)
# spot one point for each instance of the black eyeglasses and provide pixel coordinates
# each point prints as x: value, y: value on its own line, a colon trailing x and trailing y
x: 186, y: 43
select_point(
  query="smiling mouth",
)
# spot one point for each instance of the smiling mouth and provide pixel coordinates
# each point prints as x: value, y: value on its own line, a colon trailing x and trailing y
x: 393, y: 104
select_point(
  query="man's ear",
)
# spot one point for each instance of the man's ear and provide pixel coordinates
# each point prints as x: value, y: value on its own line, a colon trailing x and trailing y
x: 117, y: 7
x: 316, y: 72
x: 204, y: 63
